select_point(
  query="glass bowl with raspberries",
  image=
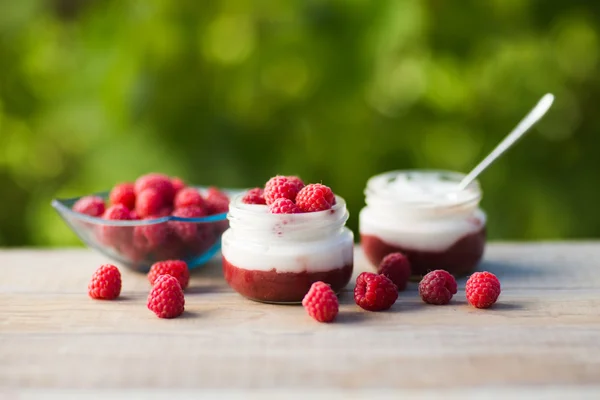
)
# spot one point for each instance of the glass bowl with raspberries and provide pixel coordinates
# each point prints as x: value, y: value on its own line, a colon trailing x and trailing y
x: 155, y: 218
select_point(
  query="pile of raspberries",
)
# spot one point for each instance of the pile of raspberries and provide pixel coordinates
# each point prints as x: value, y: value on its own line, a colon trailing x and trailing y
x: 155, y: 196
x: 289, y: 195
x: 168, y: 278
x: 379, y: 291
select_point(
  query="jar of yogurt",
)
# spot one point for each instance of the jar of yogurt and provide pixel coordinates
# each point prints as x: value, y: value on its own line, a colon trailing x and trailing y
x: 422, y: 215
x: 275, y: 258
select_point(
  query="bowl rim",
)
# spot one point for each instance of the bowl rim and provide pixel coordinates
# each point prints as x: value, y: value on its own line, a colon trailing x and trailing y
x: 62, y: 206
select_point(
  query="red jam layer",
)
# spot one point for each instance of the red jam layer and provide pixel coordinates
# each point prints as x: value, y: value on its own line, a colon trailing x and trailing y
x: 281, y: 287
x: 459, y: 259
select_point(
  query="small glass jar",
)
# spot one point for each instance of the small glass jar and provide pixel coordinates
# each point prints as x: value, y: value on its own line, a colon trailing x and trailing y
x: 422, y: 215
x: 275, y: 258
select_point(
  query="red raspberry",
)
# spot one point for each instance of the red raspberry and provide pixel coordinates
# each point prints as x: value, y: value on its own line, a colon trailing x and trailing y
x: 374, y: 292
x: 166, y: 298
x: 124, y: 194
x: 178, y: 184
x: 115, y: 235
x: 315, y: 197
x: 284, y: 206
x: 105, y: 283
x: 437, y: 287
x: 482, y: 289
x: 282, y: 187
x: 189, y: 197
x: 321, y: 303
x: 397, y: 268
x: 254, y: 196
x: 133, y: 215
x: 151, y: 237
x: 159, y: 182
x: 189, y: 231
x: 217, y: 202
x: 177, y: 268
x: 149, y: 202
x: 90, y: 205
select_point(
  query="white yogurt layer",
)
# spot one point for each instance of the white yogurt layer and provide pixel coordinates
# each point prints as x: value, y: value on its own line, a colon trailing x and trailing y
x: 274, y: 254
x: 420, y: 210
x: 310, y: 242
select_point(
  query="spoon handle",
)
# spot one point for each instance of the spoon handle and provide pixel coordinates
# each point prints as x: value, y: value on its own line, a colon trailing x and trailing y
x: 526, y: 123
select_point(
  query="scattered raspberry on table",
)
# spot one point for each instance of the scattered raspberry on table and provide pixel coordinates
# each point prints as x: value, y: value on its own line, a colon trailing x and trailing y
x: 90, y: 205
x: 166, y: 298
x: 437, y: 287
x: 105, y: 283
x: 374, y: 292
x: 315, y: 197
x: 321, y: 303
x: 282, y: 187
x: 397, y: 268
x: 284, y: 206
x: 176, y: 268
x: 482, y: 289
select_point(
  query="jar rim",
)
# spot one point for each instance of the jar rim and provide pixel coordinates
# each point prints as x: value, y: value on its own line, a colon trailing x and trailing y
x: 239, y: 210
x: 379, y: 186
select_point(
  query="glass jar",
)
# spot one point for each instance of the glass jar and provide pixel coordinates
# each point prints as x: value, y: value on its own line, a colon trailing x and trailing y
x: 275, y: 258
x: 420, y: 214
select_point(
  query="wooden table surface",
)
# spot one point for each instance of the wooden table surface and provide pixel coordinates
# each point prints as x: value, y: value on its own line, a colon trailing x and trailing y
x: 541, y: 340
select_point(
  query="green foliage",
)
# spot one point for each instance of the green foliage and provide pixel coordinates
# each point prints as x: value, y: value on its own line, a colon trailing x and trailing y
x: 232, y: 92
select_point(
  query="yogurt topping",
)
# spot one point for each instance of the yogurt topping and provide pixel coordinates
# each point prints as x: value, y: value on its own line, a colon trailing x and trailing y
x: 421, y: 210
x: 426, y: 188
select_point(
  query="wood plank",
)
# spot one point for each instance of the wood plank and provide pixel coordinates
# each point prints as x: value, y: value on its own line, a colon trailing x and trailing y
x: 544, y: 330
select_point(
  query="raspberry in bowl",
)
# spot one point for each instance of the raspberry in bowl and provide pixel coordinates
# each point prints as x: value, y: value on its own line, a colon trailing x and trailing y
x: 420, y: 214
x: 151, y: 220
x: 274, y: 252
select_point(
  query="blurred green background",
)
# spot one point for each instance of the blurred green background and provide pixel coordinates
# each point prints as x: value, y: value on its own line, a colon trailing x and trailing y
x: 232, y: 92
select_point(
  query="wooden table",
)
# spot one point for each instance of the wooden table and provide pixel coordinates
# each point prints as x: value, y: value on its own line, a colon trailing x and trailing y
x: 541, y: 340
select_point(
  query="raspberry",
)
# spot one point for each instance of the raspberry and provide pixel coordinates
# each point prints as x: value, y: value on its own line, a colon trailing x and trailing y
x: 284, y: 206
x: 124, y: 194
x: 151, y: 237
x: 315, y: 197
x: 115, y: 235
x: 217, y: 202
x: 105, y: 283
x: 321, y: 303
x: 282, y: 187
x: 178, y: 184
x: 482, y: 289
x: 437, y: 287
x: 254, y: 196
x: 90, y: 205
x: 189, y: 197
x: 374, y: 292
x: 159, y: 182
x: 149, y: 202
x: 133, y: 215
x: 397, y: 268
x: 177, y: 268
x: 188, y: 231
x: 166, y: 298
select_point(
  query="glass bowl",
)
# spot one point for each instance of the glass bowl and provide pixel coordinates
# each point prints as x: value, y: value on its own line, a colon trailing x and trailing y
x: 138, y: 244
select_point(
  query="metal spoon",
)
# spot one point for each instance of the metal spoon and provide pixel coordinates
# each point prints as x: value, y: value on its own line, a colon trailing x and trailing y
x: 526, y: 123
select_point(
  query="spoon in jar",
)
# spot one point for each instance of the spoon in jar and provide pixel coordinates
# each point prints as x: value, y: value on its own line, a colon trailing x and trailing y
x: 526, y: 123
